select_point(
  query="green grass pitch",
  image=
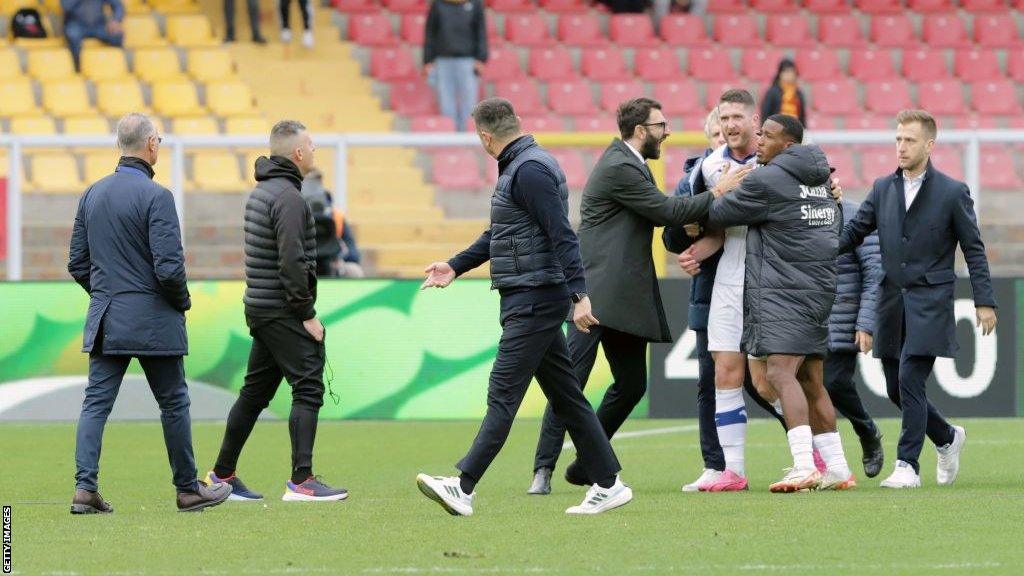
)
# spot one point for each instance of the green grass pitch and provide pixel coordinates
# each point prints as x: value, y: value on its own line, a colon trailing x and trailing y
x: 387, y: 527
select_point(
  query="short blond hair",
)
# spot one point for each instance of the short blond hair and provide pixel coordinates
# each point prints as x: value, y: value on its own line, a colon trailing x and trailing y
x: 922, y: 117
x: 710, y: 120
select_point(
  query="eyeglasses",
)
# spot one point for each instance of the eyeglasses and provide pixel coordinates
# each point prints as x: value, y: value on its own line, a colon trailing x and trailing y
x: 663, y: 125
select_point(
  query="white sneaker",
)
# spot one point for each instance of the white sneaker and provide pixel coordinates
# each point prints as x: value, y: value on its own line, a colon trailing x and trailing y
x: 446, y: 491
x: 307, y: 39
x: 902, y: 477
x: 948, y: 462
x: 600, y: 499
x: 286, y: 35
x: 707, y: 478
x: 833, y: 480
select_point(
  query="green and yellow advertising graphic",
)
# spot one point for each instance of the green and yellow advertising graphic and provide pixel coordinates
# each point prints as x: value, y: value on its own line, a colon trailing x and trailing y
x: 394, y: 352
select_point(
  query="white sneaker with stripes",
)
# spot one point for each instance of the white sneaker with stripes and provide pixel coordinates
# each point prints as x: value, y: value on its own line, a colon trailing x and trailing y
x: 600, y: 499
x: 446, y: 491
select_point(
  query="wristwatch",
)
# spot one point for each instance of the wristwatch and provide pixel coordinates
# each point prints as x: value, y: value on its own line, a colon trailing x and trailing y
x: 577, y: 296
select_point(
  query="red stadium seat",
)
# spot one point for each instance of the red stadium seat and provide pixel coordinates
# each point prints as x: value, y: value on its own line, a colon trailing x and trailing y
x: 570, y: 160
x: 871, y: 64
x: 1015, y: 65
x: 370, y: 30
x: 543, y: 123
x: 432, y: 124
x: 413, y: 98
x: 887, y: 97
x: 564, y: 6
x: 817, y: 64
x: 995, y: 97
x: 511, y: 5
x: 969, y: 122
x: 524, y: 95
x: 944, y: 31
x: 615, y: 93
x: 983, y: 5
x: 877, y: 161
x: 412, y: 28
x: 827, y: 6
x: 356, y: 6
x: 973, y: 65
x: 406, y: 6
x: 944, y: 97
x: 788, y: 30
x: 571, y: 97
x: 840, y: 31
x: 736, y: 30
x: 458, y: 169
x: 677, y: 97
x: 581, y: 30
x: 835, y: 96
x: 996, y: 31
x: 997, y: 169
x: 493, y: 36
x: 598, y: 123
x: 822, y: 122
x: 502, y: 64
x: 684, y: 30
x: 726, y: 6
x: 389, y: 64
x: 760, y: 65
x: 713, y: 91
x: 867, y: 121
x: 602, y: 64
x: 527, y: 30
x: 841, y: 158
x: 932, y: 6
x: 551, y: 63
x: 894, y: 30
x: 711, y: 64
x: 879, y: 6
x: 949, y: 159
x: 776, y: 6
x: 690, y: 121
x: 631, y: 30
x: 924, y: 65
x: 654, y: 64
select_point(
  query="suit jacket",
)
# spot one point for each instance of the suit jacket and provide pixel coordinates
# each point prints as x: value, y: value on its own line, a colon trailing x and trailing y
x: 621, y: 207
x: 918, y: 250
x: 126, y: 253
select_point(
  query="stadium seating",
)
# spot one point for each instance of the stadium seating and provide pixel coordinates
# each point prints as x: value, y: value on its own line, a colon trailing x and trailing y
x: 459, y: 169
x: 615, y: 93
x: 371, y: 29
x: 604, y: 64
x: 54, y: 172
x: 631, y: 30
x: 528, y: 30
x: 870, y: 64
x: 572, y: 97
x: 502, y: 64
x: 412, y: 28
x: 997, y: 97
x: 835, y: 96
x: 840, y: 31
x: 412, y: 97
x: 677, y: 96
x: 976, y: 65
x: 119, y: 97
x: 656, y: 64
x: 945, y: 30
x: 581, y: 30
x: 210, y: 64
x: 50, y: 64
x: 924, y: 65
x: 817, y: 64
x: 176, y: 98
x: 195, y: 126
x: 156, y: 64
x: 91, y: 125
x: 887, y: 97
x: 214, y: 171
x: 17, y: 99
x: 104, y: 63
x: 684, y: 30
x: 895, y: 31
x: 525, y: 93
x: 788, y: 30
x: 997, y: 31
x: 737, y: 30
x: 68, y: 97
x: 760, y: 64
x: 550, y: 64
x: 941, y: 98
x: 711, y: 65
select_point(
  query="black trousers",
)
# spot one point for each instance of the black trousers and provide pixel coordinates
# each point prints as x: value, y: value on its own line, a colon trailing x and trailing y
x: 905, y: 383
x: 532, y: 344
x: 304, y: 7
x: 839, y: 369
x: 280, y: 347
x: 627, y: 357
x: 253, y: 7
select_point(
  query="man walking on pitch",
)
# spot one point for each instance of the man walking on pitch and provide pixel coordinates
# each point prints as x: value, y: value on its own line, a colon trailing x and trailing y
x: 535, y: 265
x: 287, y: 337
x: 621, y: 207
x: 126, y: 253
x: 790, y: 284
x: 921, y: 215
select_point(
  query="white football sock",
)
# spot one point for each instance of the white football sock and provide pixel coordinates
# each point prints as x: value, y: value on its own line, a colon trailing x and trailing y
x: 800, y: 445
x: 731, y: 422
x: 830, y: 446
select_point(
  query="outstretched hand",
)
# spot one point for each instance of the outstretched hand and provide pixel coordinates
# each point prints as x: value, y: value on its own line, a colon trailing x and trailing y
x: 439, y: 275
x: 730, y: 179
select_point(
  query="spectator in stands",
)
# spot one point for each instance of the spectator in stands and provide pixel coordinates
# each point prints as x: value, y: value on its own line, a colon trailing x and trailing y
x: 784, y: 96
x: 307, y: 21
x: 454, y: 53
x: 336, y: 253
x: 88, y: 19
x: 626, y: 6
x: 664, y: 7
x: 253, y: 7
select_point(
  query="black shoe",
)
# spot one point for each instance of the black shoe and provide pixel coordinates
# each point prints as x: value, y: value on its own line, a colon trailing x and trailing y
x: 575, y: 475
x: 86, y: 502
x: 204, y: 497
x: 229, y: 39
x: 259, y: 40
x: 874, y: 456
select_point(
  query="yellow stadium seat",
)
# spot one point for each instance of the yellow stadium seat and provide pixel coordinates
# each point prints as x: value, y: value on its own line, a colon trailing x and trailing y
x: 216, y: 172
x: 231, y: 98
x: 9, y: 7
x: 106, y: 63
x: 54, y: 172
x: 190, y: 30
x: 135, y: 7
x: 99, y: 164
x: 176, y: 98
x: 33, y: 126
x: 119, y: 97
x: 86, y: 125
x: 67, y: 98
x: 142, y: 31
x: 246, y: 125
x: 10, y: 66
x: 210, y: 64
x: 155, y: 64
x: 51, y: 64
x: 49, y: 43
x: 52, y: 6
x: 196, y: 126
x: 175, y: 6
x: 17, y: 99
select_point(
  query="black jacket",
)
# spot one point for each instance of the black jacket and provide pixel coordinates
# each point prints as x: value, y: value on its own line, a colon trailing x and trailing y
x: 792, y: 244
x: 858, y: 277
x: 621, y: 207
x: 772, y: 103
x: 126, y: 253
x: 918, y: 253
x: 455, y: 30
x: 280, y: 244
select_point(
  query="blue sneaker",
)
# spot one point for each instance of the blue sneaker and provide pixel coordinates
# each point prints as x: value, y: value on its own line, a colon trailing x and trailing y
x: 312, y: 490
x: 239, y: 491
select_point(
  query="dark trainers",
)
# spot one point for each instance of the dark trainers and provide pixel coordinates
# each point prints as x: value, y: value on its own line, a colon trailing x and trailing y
x: 239, y: 491
x: 204, y: 497
x: 312, y: 490
x: 873, y: 455
x: 574, y: 474
x: 86, y: 502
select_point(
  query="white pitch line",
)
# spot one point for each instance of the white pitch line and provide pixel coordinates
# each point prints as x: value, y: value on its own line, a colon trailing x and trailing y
x: 651, y: 432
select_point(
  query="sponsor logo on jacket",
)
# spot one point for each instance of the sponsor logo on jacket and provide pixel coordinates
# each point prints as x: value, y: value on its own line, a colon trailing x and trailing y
x: 818, y: 215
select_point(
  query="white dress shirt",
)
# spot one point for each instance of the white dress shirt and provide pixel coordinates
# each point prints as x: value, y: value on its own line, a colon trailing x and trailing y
x: 635, y: 152
x: 911, y: 186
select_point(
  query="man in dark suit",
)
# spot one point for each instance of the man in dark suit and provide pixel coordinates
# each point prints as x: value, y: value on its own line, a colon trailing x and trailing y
x: 921, y: 215
x: 126, y: 253
x: 621, y: 207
